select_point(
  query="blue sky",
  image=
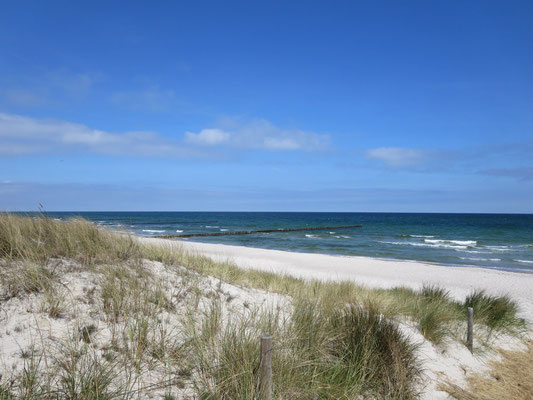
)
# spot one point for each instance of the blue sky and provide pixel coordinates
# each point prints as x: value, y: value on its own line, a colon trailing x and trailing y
x: 268, y: 106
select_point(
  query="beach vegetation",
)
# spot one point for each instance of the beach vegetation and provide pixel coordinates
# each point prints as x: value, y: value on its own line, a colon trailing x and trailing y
x: 5, y: 393
x: 53, y: 303
x: 40, y: 239
x: 319, y: 353
x: 158, y: 309
x: 497, y: 313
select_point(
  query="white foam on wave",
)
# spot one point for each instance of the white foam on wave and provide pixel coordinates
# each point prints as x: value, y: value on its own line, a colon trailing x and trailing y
x: 310, y: 236
x: 480, y: 259
x: 422, y: 236
x: 346, y: 237
x: 211, y: 226
x: 223, y: 230
x: 433, y: 245
x: 453, y: 242
x: 524, y: 261
x: 179, y: 230
x: 332, y: 233
x: 498, y: 248
x: 153, y: 231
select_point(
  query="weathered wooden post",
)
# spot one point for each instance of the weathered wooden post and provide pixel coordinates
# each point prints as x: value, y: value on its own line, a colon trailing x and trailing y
x: 470, y: 331
x: 266, y: 367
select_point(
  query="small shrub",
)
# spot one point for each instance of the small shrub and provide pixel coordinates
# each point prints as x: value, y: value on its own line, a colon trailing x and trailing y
x: 373, y: 346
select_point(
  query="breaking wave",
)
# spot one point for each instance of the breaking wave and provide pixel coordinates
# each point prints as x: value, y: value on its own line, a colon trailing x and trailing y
x: 452, y: 242
x: 524, y: 261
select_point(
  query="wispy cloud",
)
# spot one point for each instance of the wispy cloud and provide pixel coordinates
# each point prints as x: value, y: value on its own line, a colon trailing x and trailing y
x: 207, y: 137
x: 49, y: 87
x: 26, y: 196
x: 498, y: 160
x: 152, y: 99
x: 22, y: 97
x: 400, y: 157
x: 75, y: 85
x: 25, y: 135
x: 257, y: 134
x: 522, y: 174
x: 20, y: 196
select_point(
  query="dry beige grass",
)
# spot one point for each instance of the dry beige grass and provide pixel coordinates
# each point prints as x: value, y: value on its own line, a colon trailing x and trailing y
x: 511, y: 378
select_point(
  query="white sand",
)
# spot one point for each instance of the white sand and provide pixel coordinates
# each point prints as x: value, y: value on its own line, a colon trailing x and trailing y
x: 373, y: 272
x: 24, y: 325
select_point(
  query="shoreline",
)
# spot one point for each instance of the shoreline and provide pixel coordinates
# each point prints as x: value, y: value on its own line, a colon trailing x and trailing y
x: 434, y: 263
x: 368, y: 271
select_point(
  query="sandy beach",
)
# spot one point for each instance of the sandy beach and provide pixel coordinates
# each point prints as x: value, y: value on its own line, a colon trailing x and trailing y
x: 372, y: 272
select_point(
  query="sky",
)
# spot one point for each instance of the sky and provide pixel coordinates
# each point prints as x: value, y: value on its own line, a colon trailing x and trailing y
x: 363, y: 106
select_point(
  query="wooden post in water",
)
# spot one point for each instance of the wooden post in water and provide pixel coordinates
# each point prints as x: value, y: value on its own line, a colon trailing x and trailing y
x: 266, y: 368
x: 470, y: 331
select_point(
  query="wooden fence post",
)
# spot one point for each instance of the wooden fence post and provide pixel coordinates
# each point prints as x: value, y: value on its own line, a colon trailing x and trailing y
x: 266, y: 367
x: 470, y: 331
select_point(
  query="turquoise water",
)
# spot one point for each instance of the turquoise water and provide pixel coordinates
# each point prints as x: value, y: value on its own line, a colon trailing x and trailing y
x: 498, y: 241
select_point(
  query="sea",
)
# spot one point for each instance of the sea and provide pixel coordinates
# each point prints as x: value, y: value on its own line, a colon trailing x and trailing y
x: 495, y: 241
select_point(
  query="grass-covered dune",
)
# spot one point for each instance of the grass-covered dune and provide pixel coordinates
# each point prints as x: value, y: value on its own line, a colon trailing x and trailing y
x: 92, y: 314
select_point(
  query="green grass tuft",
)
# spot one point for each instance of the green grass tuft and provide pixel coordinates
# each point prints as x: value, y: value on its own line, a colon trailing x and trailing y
x: 498, y: 313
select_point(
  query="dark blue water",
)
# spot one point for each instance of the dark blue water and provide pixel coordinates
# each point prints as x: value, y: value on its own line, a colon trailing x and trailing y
x: 500, y: 241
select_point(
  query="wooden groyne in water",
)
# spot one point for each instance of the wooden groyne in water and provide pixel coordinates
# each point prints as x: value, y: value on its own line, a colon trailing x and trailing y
x: 320, y: 228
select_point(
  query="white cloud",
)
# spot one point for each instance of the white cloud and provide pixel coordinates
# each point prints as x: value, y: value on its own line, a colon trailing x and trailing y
x: 25, y: 135
x: 258, y: 134
x: 399, y: 157
x: 207, y: 137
